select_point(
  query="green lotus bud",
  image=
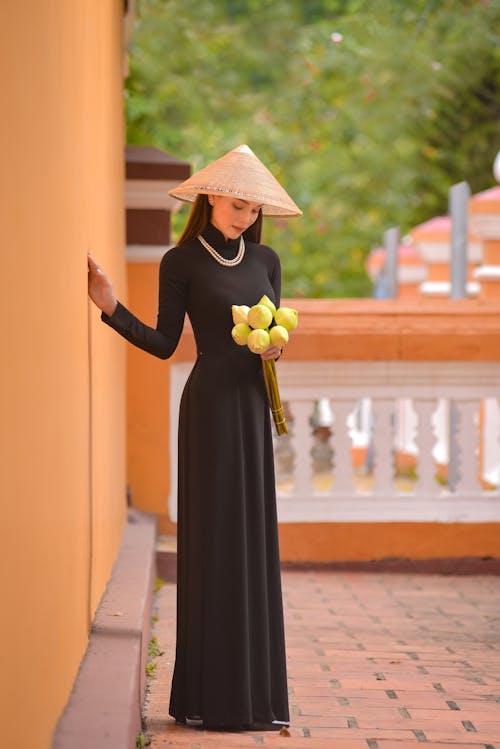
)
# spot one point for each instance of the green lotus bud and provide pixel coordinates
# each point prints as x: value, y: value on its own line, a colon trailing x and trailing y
x: 259, y: 316
x: 279, y: 336
x: 240, y: 333
x: 240, y: 313
x: 258, y: 341
x: 267, y: 303
x: 287, y: 317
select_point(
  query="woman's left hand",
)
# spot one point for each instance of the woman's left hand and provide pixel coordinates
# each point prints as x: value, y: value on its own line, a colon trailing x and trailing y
x: 273, y: 352
x: 100, y: 287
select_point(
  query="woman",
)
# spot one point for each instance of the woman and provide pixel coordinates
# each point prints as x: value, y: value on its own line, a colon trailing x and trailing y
x: 230, y: 669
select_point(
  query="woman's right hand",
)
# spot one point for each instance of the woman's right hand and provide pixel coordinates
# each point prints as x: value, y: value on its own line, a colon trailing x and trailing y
x: 100, y: 288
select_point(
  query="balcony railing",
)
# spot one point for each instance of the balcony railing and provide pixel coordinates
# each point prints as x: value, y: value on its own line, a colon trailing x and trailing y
x: 373, y: 441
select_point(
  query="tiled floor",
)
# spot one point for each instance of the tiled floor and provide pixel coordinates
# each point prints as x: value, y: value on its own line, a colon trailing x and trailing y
x: 375, y: 661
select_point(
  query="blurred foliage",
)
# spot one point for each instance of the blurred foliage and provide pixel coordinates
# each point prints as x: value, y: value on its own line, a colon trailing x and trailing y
x: 366, y: 130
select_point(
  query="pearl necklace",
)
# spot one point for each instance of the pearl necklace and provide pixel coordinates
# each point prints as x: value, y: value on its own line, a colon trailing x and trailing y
x: 222, y: 260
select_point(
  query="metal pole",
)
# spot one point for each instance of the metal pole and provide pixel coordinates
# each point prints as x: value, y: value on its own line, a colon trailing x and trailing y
x: 391, y: 245
x: 459, y: 195
x: 458, y: 208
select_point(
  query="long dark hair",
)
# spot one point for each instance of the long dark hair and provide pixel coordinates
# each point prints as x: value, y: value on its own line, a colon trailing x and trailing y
x: 200, y: 215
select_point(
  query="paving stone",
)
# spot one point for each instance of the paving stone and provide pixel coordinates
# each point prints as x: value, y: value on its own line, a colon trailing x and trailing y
x: 375, y: 661
x: 383, y: 744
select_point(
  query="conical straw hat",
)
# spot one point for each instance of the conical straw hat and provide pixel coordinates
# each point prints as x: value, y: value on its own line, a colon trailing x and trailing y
x: 241, y: 174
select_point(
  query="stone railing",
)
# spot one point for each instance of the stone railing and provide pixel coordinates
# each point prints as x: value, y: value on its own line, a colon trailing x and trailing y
x: 389, y: 441
x: 392, y: 411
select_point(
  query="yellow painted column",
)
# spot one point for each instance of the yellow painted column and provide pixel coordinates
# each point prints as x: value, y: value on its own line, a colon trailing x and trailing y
x: 62, y: 447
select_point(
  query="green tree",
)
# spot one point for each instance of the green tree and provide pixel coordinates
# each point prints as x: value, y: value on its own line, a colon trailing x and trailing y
x: 366, y: 129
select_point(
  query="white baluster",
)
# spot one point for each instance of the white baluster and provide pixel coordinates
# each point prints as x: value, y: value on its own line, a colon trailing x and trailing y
x: 426, y: 482
x: 342, y: 447
x: 383, y: 444
x: 490, y: 434
x: 302, y: 444
x: 440, y: 422
x: 467, y: 440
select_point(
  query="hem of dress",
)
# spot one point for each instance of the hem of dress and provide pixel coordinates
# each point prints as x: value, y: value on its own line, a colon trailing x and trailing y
x: 231, y: 726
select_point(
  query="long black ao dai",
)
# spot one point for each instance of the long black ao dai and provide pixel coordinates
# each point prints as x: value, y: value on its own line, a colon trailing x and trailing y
x: 230, y: 667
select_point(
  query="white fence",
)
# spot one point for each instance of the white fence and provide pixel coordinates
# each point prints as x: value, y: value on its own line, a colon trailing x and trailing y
x: 438, y: 412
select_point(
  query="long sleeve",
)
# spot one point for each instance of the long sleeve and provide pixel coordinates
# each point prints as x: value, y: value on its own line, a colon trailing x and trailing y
x: 162, y: 340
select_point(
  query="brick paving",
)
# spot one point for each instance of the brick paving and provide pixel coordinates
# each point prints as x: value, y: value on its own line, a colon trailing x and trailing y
x: 375, y: 661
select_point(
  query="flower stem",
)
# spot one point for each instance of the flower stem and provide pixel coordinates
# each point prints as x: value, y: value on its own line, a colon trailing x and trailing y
x: 273, y: 396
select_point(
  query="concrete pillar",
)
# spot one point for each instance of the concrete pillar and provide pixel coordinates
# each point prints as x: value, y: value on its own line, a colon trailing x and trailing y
x: 150, y: 173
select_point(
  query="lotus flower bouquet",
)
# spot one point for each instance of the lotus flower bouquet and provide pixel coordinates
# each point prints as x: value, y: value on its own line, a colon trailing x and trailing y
x: 259, y: 327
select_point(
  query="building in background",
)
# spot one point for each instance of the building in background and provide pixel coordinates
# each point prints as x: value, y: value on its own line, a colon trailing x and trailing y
x: 423, y: 271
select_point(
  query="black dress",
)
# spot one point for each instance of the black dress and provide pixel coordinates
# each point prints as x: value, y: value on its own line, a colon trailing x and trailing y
x: 230, y: 665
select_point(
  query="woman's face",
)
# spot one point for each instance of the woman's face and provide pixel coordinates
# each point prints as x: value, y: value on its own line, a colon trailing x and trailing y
x: 232, y: 216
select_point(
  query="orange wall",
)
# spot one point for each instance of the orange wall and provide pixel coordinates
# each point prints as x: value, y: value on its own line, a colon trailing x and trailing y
x: 396, y: 329
x: 148, y: 407
x: 326, y: 542
x: 62, y: 444
x: 491, y: 251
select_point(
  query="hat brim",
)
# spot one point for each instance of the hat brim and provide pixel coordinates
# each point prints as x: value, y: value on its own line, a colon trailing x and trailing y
x: 242, y: 175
